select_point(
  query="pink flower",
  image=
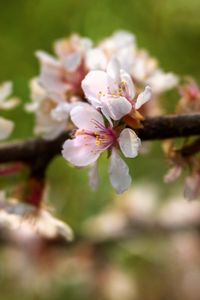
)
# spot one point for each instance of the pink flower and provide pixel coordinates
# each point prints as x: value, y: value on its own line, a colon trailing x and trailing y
x: 92, y: 138
x: 113, y: 91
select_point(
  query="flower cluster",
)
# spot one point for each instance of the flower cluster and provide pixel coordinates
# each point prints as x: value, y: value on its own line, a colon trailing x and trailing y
x: 100, y: 124
x: 116, y: 79
x: 63, y: 78
x: 6, y: 103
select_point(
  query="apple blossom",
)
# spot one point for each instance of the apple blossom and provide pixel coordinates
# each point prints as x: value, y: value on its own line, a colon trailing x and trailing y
x: 113, y: 91
x: 92, y: 138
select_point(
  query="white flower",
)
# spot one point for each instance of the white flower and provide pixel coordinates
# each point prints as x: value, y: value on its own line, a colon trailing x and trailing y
x: 51, y: 111
x: 24, y: 221
x: 161, y: 82
x: 113, y: 91
x: 6, y: 128
x: 93, y: 138
x: 5, y: 91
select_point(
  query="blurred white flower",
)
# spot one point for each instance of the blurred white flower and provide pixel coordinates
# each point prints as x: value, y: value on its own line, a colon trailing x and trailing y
x: 51, y: 111
x: 6, y: 128
x: 6, y: 103
x: 23, y: 222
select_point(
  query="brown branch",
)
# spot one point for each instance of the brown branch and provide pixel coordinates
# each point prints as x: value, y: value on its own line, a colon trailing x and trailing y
x: 38, y: 152
x: 190, y: 149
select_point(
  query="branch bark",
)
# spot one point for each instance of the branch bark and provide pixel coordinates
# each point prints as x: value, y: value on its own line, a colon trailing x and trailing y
x: 38, y: 152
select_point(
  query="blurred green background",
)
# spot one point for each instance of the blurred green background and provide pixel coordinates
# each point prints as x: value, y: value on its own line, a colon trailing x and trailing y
x: 169, y: 29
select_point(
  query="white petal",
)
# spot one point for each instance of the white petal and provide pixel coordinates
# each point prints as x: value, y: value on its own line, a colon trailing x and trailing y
x: 6, y: 127
x: 119, y: 173
x: 61, y: 112
x: 129, y: 82
x: 117, y: 107
x: 51, y: 75
x: 94, y: 85
x: 113, y: 70
x: 49, y: 130
x: 94, y: 176
x: 85, y: 117
x: 9, y: 104
x: 72, y: 62
x: 81, y: 151
x: 96, y: 59
x: 5, y: 90
x: 123, y: 38
x: 129, y: 143
x: 161, y: 82
x: 47, y: 59
x: 144, y: 97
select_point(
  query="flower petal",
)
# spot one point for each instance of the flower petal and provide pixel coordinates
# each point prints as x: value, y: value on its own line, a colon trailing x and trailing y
x: 129, y: 143
x: 94, y: 176
x: 81, y: 151
x: 94, y: 85
x: 144, y: 97
x: 9, y: 104
x: 96, y: 59
x: 6, y: 127
x: 116, y: 107
x: 119, y: 173
x: 61, y: 112
x: 86, y: 116
x: 72, y: 62
x: 161, y: 82
x: 129, y: 83
x: 51, y: 75
x: 5, y: 90
x: 113, y: 70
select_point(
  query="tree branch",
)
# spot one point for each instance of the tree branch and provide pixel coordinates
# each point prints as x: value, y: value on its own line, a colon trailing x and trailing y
x: 38, y: 152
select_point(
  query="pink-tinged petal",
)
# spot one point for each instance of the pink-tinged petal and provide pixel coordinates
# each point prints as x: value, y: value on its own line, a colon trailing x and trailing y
x: 86, y: 117
x: 113, y: 70
x: 47, y: 59
x: 125, y: 77
x: 173, y: 174
x: 72, y: 62
x: 6, y: 128
x: 94, y: 85
x: 94, y: 176
x: 105, y: 111
x: 119, y: 173
x: 116, y: 107
x: 144, y: 97
x: 81, y: 151
x: 51, y: 75
x: 129, y: 143
x: 192, y: 187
